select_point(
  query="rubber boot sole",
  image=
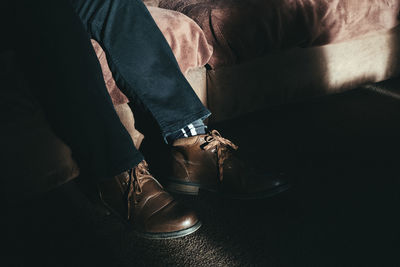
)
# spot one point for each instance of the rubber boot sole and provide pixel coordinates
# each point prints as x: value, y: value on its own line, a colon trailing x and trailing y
x: 169, y: 235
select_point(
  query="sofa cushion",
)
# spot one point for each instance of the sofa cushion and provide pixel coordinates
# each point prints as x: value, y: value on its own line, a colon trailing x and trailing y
x: 240, y: 30
x: 151, y: 2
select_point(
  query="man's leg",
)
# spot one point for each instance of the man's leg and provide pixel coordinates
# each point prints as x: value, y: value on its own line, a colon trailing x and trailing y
x: 57, y: 57
x: 65, y: 76
x: 146, y: 70
x: 142, y: 62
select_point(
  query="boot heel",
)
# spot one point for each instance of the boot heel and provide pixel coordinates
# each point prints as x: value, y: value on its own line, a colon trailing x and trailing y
x: 180, y: 188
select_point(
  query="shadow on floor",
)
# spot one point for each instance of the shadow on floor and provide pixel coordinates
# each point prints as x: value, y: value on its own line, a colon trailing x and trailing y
x: 342, y: 153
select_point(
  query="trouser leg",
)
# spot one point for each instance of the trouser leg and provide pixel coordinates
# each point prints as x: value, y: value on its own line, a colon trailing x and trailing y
x: 63, y: 71
x: 141, y: 61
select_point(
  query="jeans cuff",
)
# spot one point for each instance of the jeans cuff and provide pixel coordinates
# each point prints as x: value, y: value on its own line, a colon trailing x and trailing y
x: 171, y: 129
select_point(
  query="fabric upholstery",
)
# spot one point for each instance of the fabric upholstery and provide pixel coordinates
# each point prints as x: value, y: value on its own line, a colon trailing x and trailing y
x: 151, y: 2
x: 242, y: 30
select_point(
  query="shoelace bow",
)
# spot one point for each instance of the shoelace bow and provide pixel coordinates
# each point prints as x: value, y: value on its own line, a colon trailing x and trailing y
x: 223, y: 146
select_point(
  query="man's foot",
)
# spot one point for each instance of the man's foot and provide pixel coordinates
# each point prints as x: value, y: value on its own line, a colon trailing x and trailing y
x: 210, y: 162
x: 140, y: 199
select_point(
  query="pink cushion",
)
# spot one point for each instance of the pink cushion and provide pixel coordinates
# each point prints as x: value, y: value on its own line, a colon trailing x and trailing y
x: 187, y: 41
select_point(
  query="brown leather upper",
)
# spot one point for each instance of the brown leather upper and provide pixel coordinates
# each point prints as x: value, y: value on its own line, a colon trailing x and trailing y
x: 191, y: 163
x: 211, y: 162
x: 141, y: 200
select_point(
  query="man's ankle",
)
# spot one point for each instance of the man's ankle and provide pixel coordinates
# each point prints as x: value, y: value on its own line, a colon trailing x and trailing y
x: 195, y: 128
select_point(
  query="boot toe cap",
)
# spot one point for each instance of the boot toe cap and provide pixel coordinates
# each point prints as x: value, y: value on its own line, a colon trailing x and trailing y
x: 171, y: 218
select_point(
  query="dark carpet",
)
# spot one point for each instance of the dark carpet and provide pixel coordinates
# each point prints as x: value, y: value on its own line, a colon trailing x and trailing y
x: 342, y: 154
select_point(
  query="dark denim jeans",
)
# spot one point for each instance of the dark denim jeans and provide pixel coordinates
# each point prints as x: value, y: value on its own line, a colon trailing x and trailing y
x: 141, y: 61
x: 65, y: 76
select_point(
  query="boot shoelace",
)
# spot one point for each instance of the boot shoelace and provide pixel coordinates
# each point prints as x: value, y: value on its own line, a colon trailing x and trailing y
x: 223, y: 146
x: 134, y: 185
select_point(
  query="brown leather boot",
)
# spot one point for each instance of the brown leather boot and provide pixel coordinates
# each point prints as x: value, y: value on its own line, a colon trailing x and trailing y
x: 210, y: 162
x: 140, y: 200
